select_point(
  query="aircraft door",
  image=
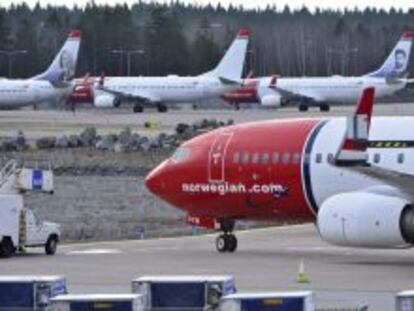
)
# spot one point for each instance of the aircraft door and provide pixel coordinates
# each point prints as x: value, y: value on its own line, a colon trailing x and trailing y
x: 217, y: 157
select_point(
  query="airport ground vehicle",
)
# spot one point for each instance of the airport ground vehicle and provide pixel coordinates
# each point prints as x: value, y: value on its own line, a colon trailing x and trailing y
x: 354, y: 177
x: 30, y: 293
x: 19, y: 228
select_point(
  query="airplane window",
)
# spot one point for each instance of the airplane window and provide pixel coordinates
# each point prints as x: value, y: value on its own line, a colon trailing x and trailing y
x: 377, y: 158
x: 275, y: 158
x: 181, y: 154
x: 286, y: 158
x: 296, y: 158
x: 245, y: 158
x: 265, y: 158
x: 319, y: 158
x: 236, y: 157
x: 255, y: 158
x: 401, y: 158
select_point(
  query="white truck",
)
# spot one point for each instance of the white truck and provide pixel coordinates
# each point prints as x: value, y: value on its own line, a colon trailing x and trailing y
x: 19, y: 228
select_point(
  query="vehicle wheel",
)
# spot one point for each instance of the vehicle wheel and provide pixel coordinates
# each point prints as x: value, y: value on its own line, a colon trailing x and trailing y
x: 138, y: 109
x: 221, y: 243
x: 324, y: 107
x: 231, y: 243
x: 162, y: 108
x: 303, y: 107
x: 7, y: 248
x: 51, y: 245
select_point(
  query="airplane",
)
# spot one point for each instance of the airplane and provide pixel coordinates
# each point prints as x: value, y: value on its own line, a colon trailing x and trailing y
x: 54, y: 83
x: 305, y: 92
x: 353, y: 177
x: 159, y: 91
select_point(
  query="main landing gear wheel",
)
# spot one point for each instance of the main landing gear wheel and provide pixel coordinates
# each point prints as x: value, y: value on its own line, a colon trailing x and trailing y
x: 226, y: 243
x: 162, y: 108
x: 138, y: 108
x: 303, y: 107
x: 324, y: 107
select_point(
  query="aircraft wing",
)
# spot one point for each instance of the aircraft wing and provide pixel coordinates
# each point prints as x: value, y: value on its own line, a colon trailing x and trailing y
x: 141, y: 97
x: 293, y: 95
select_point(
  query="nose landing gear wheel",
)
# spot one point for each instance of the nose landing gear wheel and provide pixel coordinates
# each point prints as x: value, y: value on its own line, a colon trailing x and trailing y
x: 138, y: 108
x: 226, y: 243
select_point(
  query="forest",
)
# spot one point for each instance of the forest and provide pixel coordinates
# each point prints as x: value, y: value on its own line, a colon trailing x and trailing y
x: 184, y: 39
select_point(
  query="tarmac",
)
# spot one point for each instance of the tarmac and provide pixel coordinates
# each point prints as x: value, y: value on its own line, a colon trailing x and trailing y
x: 267, y: 260
x: 41, y: 123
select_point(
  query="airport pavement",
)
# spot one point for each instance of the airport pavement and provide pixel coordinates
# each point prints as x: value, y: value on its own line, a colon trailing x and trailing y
x: 267, y: 259
x: 40, y: 123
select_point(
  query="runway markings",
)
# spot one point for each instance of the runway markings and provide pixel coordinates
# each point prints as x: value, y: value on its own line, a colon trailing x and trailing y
x: 94, y: 251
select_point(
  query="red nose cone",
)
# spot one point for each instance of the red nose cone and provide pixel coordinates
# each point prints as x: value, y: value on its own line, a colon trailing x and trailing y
x: 155, y: 181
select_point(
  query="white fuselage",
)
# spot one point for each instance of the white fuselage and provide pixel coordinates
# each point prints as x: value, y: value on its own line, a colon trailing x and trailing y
x: 19, y: 93
x: 170, y: 89
x: 336, y: 89
x: 394, y: 151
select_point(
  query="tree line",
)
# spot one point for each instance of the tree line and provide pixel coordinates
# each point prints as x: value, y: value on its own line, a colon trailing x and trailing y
x: 187, y: 39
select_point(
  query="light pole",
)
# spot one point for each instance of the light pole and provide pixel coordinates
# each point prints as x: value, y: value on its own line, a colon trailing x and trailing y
x: 128, y: 54
x: 10, y: 55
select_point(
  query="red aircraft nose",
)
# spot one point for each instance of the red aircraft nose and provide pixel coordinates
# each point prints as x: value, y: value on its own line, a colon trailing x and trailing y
x: 155, y: 180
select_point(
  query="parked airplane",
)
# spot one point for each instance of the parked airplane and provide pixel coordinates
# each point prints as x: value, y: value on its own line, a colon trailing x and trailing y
x: 354, y: 177
x: 322, y: 91
x: 54, y: 83
x: 159, y: 91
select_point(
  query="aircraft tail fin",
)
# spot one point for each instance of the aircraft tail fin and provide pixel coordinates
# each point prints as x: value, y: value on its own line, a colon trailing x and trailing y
x: 63, y: 67
x: 232, y: 64
x: 355, y: 143
x: 395, y: 66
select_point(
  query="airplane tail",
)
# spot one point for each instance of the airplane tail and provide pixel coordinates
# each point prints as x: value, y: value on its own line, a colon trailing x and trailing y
x: 396, y: 64
x: 63, y: 66
x: 231, y: 65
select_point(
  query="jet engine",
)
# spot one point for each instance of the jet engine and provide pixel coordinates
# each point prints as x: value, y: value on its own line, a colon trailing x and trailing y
x: 274, y: 100
x: 362, y: 219
x: 107, y: 101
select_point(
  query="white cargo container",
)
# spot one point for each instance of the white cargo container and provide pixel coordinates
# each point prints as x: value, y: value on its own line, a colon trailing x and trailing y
x: 269, y: 301
x: 27, y: 293
x: 19, y: 228
x: 97, y: 302
x: 178, y: 293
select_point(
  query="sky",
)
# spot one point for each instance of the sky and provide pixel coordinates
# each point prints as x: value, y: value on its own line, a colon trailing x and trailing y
x: 311, y: 4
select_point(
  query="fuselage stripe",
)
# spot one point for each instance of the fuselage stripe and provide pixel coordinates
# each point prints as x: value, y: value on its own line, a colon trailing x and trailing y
x: 307, y: 185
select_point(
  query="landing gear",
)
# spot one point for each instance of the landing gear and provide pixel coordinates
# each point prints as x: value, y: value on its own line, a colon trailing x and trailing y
x: 6, y: 248
x: 303, y: 107
x: 324, y: 107
x: 227, y: 241
x: 138, y: 108
x: 162, y: 108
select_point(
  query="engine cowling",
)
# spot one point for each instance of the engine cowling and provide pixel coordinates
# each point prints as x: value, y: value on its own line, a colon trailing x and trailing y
x: 106, y: 101
x: 274, y: 100
x: 362, y: 219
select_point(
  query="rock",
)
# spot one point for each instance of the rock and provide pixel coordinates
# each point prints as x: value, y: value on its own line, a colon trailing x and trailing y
x: 181, y: 128
x: 230, y: 122
x: 62, y: 142
x: 88, y: 137
x: 74, y: 141
x: 46, y: 142
x: 124, y: 137
x: 107, y: 143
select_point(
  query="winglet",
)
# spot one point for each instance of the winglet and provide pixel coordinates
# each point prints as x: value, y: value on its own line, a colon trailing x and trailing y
x: 355, y: 143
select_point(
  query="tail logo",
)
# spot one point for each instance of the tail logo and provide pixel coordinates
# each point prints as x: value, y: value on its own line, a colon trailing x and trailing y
x: 67, y: 65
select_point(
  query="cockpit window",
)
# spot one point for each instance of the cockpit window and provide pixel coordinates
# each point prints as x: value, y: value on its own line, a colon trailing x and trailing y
x: 181, y: 154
